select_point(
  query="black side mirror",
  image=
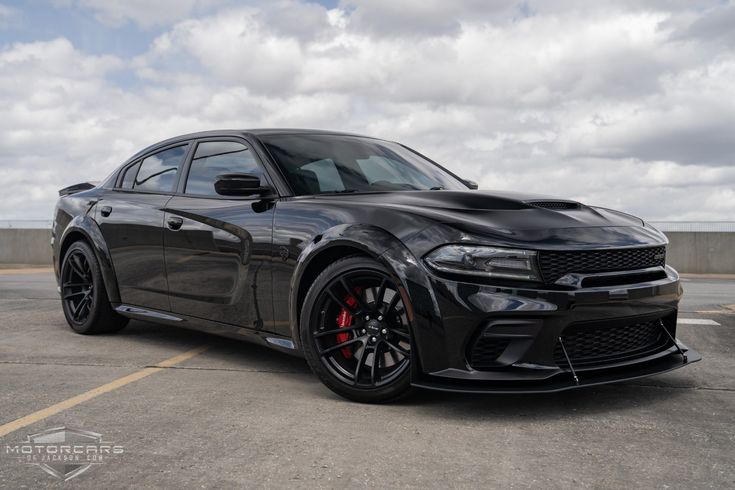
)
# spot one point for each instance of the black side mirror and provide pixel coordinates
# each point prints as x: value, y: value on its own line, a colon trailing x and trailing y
x: 471, y: 184
x: 238, y: 184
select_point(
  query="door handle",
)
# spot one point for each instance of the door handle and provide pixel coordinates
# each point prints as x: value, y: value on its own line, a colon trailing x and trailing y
x: 174, y: 222
x: 105, y: 211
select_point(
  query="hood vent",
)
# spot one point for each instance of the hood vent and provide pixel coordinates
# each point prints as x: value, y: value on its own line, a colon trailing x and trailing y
x: 555, y: 205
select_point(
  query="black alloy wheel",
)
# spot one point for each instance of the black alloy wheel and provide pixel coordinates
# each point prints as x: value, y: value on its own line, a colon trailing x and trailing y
x: 77, y: 286
x: 83, y: 295
x: 357, y: 338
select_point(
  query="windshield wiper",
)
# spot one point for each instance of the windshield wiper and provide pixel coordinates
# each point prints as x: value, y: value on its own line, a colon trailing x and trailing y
x: 437, y: 188
x: 343, y: 191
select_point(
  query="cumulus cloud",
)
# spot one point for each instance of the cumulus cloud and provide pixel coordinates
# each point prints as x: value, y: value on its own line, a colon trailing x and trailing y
x: 622, y: 104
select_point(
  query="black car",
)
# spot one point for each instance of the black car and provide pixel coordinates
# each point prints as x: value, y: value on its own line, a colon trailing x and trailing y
x: 383, y: 269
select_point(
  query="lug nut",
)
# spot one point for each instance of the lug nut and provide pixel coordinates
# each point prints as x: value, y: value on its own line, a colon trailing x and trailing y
x: 373, y: 339
x: 384, y: 331
x: 367, y: 318
x: 363, y: 331
x: 380, y: 318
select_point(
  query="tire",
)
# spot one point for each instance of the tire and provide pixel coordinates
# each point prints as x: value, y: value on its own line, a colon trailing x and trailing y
x: 355, y: 332
x: 83, y: 295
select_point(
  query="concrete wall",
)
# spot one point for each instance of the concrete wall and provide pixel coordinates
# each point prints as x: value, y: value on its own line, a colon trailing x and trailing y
x: 25, y: 246
x: 702, y: 252
x: 695, y: 252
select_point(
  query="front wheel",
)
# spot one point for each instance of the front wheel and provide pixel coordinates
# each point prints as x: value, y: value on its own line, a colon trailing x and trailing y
x: 355, y: 331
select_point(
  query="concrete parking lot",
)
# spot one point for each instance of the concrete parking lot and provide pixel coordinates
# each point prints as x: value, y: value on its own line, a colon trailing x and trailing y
x: 229, y: 414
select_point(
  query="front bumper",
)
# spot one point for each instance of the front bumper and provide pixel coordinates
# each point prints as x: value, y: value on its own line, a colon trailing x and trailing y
x: 531, y: 321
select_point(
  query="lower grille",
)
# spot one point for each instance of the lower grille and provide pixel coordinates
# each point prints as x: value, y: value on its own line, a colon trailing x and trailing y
x: 589, y: 346
x: 485, y: 352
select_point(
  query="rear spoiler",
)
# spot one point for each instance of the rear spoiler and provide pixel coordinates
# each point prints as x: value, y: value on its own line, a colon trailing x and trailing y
x: 73, y: 189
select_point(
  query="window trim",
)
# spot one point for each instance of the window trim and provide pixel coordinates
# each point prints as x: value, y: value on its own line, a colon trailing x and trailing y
x: 237, y: 139
x: 182, y: 166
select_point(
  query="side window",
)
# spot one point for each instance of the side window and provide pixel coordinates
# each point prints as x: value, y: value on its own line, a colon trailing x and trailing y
x: 320, y: 176
x: 214, y: 158
x: 129, y: 177
x: 159, y: 172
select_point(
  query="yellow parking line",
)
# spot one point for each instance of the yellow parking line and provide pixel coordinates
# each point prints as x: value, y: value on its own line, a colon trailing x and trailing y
x: 26, y: 270
x: 106, y: 388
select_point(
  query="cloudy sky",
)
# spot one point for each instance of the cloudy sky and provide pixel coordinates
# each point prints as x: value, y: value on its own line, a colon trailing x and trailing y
x: 617, y: 103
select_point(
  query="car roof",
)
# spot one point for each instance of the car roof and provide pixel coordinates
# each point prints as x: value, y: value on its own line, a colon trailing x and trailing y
x: 239, y: 132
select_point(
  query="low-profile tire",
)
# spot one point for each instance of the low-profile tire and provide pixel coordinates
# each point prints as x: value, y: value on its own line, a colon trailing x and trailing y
x: 355, y: 331
x: 83, y: 295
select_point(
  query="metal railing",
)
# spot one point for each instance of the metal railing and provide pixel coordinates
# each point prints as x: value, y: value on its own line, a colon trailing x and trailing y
x: 25, y: 223
x: 694, y: 226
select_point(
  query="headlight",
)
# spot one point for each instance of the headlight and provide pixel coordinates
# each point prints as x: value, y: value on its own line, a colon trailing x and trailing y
x: 485, y: 261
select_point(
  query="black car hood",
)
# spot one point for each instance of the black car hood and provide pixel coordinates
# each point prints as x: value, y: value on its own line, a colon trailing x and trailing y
x: 516, y: 217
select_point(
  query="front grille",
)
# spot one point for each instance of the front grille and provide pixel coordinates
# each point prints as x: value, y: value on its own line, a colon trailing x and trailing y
x: 485, y: 352
x: 587, y: 345
x: 555, y: 264
x: 555, y: 205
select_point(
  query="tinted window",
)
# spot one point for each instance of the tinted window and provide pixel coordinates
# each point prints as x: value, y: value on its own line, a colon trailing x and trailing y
x: 129, y: 177
x: 159, y: 171
x: 320, y: 176
x: 379, y: 170
x: 315, y: 163
x: 215, y: 158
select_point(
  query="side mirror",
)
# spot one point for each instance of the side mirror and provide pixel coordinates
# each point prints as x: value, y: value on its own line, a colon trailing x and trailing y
x: 238, y: 184
x: 471, y: 184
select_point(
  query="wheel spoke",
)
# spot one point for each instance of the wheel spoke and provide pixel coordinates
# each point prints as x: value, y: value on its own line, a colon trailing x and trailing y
x: 76, y: 284
x: 344, y: 305
x: 376, y: 362
x: 398, y: 349
x: 339, y: 346
x: 78, y: 309
x: 78, y: 267
x: 381, y: 293
x: 360, y: 364
x: 401, y: 334
x: 335, y: 331
x: 352, y: 292
x: 71, y: 295
x: 393, y: 302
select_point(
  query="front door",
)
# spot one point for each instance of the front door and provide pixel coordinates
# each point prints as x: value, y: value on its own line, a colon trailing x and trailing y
x: 131, y: 217
x: 218, y: 249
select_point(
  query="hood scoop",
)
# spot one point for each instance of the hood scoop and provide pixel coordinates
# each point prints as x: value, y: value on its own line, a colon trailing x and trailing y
x: 555, y: 205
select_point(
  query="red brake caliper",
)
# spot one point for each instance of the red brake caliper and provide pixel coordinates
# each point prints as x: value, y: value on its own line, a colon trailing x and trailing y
x: 344, y: 320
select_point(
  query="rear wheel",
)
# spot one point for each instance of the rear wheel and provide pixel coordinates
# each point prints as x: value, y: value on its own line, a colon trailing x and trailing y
x: 83, y: 295
x: 355, y: 331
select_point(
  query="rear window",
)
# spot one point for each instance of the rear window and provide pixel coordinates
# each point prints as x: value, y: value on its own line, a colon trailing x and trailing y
x: 159, y: 172
x: 129, y: 176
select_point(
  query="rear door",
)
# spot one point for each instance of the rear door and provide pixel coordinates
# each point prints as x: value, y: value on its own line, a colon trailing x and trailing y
x: 131, y: 219
x: 217, y: 248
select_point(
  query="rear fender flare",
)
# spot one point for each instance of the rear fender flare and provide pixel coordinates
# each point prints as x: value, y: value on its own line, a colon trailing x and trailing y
x: 89, y: 228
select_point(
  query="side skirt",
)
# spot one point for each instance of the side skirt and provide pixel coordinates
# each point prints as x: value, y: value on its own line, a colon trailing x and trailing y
x: 268, y: 339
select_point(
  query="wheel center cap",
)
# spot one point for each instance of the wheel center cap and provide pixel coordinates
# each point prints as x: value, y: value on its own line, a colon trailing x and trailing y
x: 373, y: 327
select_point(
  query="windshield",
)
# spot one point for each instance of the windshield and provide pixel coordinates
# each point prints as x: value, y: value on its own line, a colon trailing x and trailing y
x: 318, y: 164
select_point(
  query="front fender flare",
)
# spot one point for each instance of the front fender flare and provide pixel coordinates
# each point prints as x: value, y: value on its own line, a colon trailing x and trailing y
x: 387, y: 249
